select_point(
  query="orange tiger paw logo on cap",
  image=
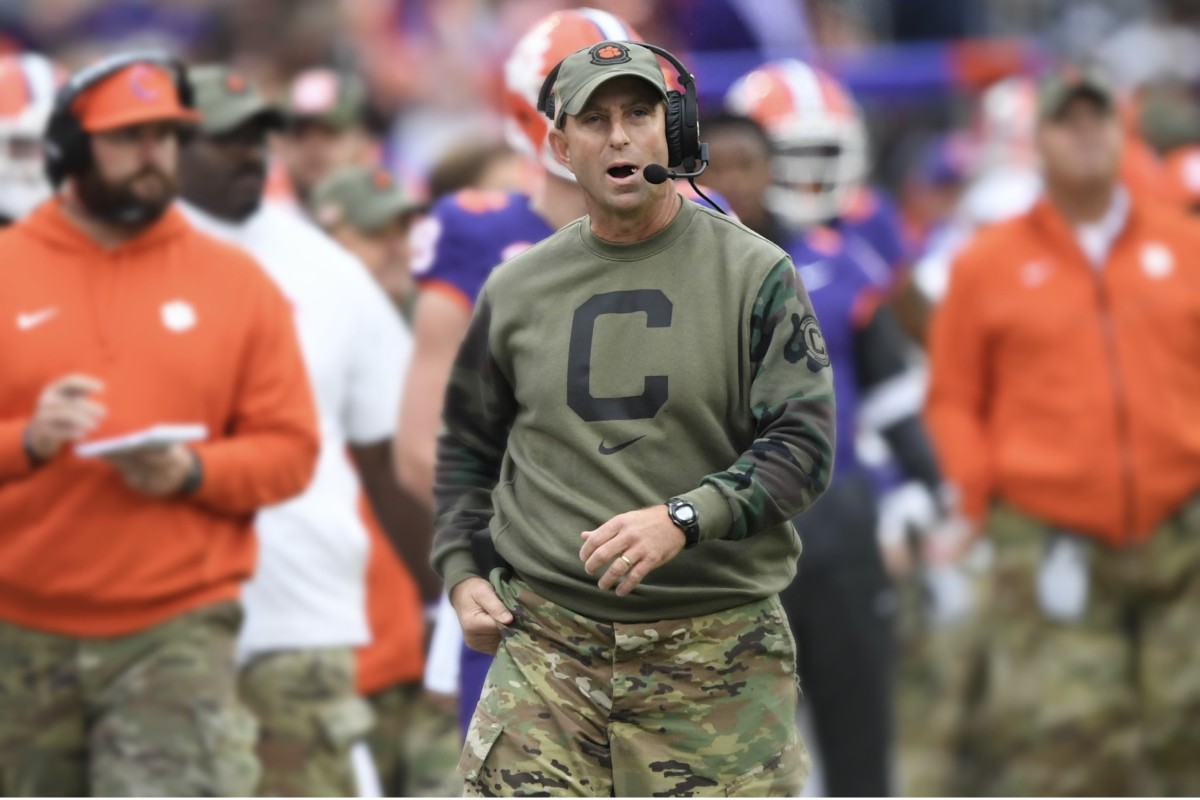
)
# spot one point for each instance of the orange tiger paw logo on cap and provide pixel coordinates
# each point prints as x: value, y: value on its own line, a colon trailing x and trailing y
x: 235, y: 83
x: 382, y: 180
x: 607, y: 53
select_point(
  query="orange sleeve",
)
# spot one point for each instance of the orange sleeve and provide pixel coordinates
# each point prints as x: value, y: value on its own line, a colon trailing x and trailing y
x: 956, y: 406
x: 270, y: 450
x: 14, y: 462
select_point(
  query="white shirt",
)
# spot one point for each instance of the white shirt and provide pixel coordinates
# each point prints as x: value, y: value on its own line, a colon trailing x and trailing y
x: 309, y: 588
x: 1096, y: 238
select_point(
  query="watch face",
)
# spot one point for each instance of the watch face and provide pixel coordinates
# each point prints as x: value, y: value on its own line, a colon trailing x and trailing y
x: 685, y: 513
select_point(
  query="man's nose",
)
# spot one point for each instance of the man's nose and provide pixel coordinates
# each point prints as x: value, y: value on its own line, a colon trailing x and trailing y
x: 618, y: 136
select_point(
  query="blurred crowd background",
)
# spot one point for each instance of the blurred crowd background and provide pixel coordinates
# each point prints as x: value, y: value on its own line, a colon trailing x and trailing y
x: 946, y: 88
x: 434, y: 69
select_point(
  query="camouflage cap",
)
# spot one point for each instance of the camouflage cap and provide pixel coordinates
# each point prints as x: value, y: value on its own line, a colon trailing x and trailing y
x: 226, y: 100
x: 336, y: 99
x: 1058, y: 89
x: 366, y: 197
x: 586, y: 69
x: 1168, y: 118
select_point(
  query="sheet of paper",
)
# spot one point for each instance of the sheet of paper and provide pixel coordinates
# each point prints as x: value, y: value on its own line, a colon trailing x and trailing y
x: 156, y: 436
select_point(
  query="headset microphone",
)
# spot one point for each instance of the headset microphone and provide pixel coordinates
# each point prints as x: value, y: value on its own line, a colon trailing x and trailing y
x: 657, y: 173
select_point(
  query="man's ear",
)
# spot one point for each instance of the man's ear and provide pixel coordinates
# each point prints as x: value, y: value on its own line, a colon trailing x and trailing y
x: 558, y: 146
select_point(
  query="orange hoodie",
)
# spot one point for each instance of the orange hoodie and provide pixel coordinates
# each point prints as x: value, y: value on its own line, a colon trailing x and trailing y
x: 181, y: 329
x: 1071, y: 392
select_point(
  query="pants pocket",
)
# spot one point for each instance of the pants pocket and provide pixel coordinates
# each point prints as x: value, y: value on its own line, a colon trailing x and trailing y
x: 344, y: 722
x: 228, y: 737
x: 481, y: 737
x: 783, y: 775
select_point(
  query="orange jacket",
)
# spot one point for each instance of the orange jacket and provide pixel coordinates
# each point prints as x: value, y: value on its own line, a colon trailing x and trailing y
x: 181, y: 329
x: 396, y: 654
x: 1068, y: 392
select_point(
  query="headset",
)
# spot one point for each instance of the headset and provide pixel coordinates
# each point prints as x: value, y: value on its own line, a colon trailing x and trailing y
x: 684, y: 147
x: 67, y: 151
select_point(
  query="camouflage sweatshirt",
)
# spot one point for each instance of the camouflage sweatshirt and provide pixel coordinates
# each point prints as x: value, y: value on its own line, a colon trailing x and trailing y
x: 598, y: 378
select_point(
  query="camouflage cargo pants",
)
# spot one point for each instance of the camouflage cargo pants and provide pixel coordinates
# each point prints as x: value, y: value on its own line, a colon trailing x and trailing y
x: 309, y: 716
x: 415, y: 744
x: 1106, y: 702
x: 576, y: 707
x: 936, y: 686
x: 150, y: 713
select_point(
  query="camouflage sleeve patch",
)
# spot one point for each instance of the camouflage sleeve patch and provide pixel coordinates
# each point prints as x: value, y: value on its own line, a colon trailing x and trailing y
x: 477, y: 417
x: 790, y: 462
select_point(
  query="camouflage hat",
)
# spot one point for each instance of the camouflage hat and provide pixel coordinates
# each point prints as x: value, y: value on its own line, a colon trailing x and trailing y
x: 366, y: 197
x: 1064, y: 86
x: 226, y: 100
x: 1168, y: 119
x: 585, y: 70
x: 336, y: 99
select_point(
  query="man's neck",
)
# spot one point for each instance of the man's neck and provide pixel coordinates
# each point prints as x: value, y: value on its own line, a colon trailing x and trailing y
x: 219, y: 214
x: 1082, y: 205
x: 557, y: 201
x: 105, y: 234
x: 636, y: 228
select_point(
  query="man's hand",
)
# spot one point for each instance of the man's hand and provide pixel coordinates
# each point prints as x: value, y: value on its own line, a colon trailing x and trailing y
x: 64, y: 414
x: 633, y: 544
x: 950, y: 541
x: 481, y: 612
x: 157, y: 472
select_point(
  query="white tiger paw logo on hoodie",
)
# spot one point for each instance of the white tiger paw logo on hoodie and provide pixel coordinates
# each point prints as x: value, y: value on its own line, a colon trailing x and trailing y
x: 178, y: 316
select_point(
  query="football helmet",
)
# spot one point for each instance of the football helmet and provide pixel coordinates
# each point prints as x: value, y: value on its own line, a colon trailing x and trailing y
x: 27, y: 86
x: 1003, y: 125
x: 819, y: 136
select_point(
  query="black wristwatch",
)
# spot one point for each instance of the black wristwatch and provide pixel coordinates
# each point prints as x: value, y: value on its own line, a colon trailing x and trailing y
x: 686, y: 518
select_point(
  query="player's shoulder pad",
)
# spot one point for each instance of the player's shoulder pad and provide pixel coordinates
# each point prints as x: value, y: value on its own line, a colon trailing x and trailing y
x: 554, y: 247
x: 478, y: 202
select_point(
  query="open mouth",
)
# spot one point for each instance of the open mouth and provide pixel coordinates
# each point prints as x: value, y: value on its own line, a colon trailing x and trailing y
x: 621, y: 171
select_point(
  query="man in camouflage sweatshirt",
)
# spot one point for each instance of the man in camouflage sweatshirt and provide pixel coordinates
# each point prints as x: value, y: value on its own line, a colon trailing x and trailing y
x: 653, y: 356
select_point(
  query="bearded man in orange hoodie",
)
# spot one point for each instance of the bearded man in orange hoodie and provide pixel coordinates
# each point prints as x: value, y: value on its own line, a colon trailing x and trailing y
x: 120, y: 567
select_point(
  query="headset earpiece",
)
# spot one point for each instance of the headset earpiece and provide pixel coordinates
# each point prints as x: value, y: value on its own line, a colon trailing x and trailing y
x: 675, y: 128
x: 545, y: 101
x: 66, y: 142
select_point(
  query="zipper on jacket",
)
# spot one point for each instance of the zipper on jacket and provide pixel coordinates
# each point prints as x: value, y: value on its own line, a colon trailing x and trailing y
x: 1122, y: 408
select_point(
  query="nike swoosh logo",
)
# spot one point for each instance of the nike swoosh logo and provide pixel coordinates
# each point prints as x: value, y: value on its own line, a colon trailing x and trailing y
x: 608, y: 451
x: 27, y: 321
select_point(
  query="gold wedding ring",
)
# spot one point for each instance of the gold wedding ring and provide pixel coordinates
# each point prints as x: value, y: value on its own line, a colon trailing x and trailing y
x: 628, y: 563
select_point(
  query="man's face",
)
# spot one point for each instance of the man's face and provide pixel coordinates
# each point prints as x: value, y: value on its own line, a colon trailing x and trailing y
x: 1081, y: 146
x: 225, y: 174
x: 312, y: 149
x: 620, y: 131
x: 385, y: 252
x: 740, y: 169
x: 134, y: 173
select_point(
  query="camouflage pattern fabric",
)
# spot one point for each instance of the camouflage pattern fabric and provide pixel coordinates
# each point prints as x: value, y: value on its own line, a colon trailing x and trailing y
x: 151, y: 713
x: 679, y: 708
x: 939, y: 672
x: 415, y: 743
x: 309, y: 716
x: 1106, y: 704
